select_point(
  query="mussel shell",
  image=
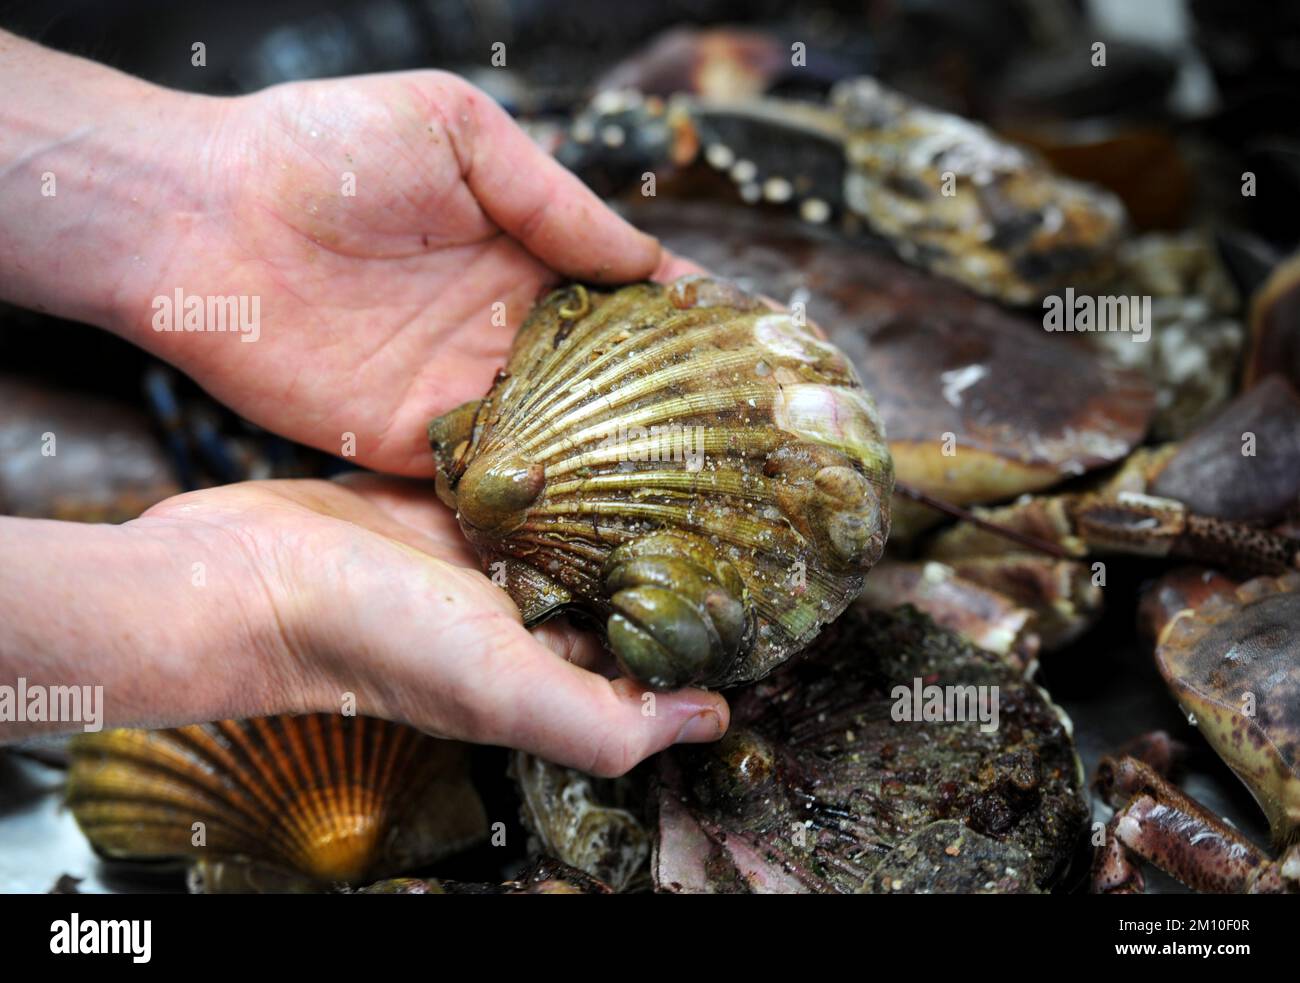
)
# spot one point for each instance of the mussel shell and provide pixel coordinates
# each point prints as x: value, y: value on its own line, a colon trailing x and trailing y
x: 698, y: 470
x: 291, y: 802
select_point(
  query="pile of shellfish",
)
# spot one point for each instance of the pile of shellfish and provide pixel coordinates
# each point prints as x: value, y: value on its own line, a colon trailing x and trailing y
x: 1001, y: 603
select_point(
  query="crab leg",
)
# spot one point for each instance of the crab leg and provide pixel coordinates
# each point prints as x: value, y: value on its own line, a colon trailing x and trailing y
x: 1161, y: 825
x: 1147, y: 525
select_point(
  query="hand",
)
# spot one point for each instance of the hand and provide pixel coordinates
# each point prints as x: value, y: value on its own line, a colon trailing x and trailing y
x: 376, y: 314
x: 376, y: 310
x: 372, y: 590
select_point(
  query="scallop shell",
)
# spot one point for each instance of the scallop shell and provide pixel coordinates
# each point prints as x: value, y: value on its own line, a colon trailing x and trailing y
x: 832, y: 764
x: 282, y: 803
x: 702, y: 473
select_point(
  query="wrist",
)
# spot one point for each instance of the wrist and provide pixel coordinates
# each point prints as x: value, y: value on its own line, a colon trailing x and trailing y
x: 236, y: 624
x: 98, y: 173
x: 160, y: 619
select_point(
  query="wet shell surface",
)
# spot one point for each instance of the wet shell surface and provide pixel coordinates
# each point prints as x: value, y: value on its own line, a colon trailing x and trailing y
x: 1233, y: 664
x: 948, y: 857
x: 830, y: 766
x: 703, y: 474
x: 275, y: 803
x: 980, y: 404
x: 576, y: 819
x: 545, y: 875
x: 955, y: 198
x: 984, y: 617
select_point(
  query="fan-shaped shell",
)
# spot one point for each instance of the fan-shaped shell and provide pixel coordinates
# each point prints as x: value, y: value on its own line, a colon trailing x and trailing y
x: 831, y: 764
x: 702, y: 471
x: 309, y: 800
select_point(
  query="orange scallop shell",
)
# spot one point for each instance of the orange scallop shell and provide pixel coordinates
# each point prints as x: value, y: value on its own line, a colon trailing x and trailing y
x: 323, y: 798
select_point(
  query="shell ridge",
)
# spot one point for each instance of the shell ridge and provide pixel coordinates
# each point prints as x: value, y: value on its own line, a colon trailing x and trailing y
x: 540, y: 372
x: 676, y: 408
x: 736, y: 428
x: 621, y: 356
x: 232, y: 804
x: 203, y: 739
x: 288, y: 766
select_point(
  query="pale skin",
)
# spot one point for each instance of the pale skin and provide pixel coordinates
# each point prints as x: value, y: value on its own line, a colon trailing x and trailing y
x: 376, y: 315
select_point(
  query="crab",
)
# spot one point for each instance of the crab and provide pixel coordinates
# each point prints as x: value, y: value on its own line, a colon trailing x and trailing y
x: 979, y: 407
x: 1220, y: 498
x: 978, y: 404
x: 1233, y: 664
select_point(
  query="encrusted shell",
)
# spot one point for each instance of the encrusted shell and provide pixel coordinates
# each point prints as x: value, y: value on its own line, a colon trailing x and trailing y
x: 577, y: 819
x: 702, y: 473
x: 275, y: 803
x: 831, y: 764
x: 545, y: 875
x: 955, y: 198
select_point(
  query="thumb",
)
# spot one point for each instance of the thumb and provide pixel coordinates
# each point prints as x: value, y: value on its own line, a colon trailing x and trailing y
x: 533, y: 198
x: 525, y: 697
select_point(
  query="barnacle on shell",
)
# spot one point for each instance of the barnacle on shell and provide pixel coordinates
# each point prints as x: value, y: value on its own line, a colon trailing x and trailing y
x: 702, y: 474
x: 831, y: 774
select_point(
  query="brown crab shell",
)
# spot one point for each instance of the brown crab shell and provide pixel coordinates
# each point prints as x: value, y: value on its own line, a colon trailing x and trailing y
x: 1233, y: 664
x: 278, y: 803
x: 1274, y: 319
x: 658, y: 442
x: 108, y: 465
x: 1174, y: 592
x: 1211, y: 472
x: 986, y: 618
x: 1026, y: 409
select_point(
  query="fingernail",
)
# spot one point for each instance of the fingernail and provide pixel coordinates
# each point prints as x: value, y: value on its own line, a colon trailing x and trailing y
x: 703, y: 727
